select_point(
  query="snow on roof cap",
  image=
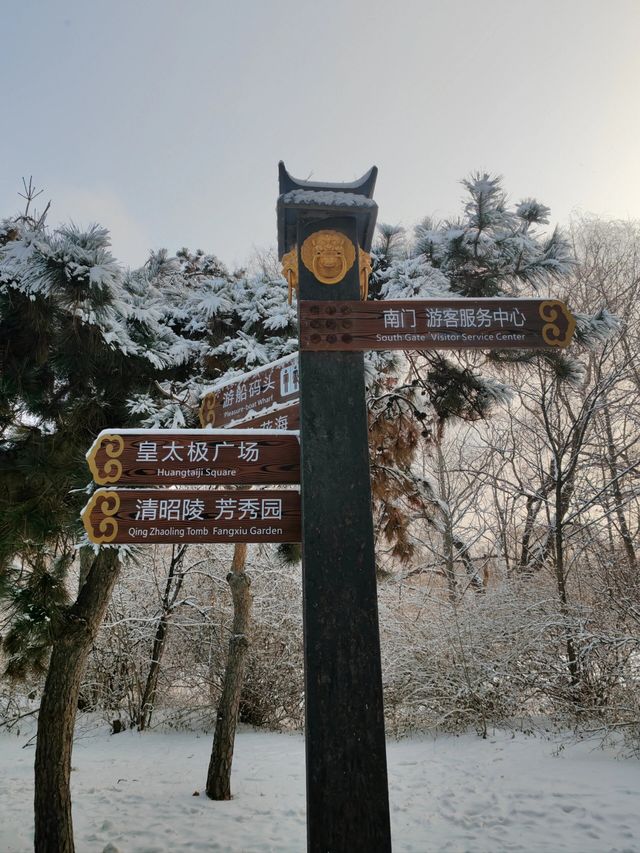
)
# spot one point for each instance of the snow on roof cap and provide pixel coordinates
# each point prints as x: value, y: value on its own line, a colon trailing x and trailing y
x: 327, y: 198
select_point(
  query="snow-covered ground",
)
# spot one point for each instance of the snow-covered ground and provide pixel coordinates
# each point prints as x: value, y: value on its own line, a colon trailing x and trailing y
x: 135, y: 794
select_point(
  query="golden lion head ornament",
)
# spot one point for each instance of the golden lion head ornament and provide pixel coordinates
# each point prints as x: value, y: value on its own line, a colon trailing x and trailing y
x: 329, y: 255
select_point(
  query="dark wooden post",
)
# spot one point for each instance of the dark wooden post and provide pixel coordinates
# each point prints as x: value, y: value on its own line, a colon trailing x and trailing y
x: 323, y: 231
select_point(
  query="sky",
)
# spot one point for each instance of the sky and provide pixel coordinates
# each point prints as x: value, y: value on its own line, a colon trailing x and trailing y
x: 164, y: 120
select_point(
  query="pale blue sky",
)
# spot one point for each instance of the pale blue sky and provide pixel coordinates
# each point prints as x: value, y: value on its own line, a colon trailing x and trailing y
x: 164, y: 121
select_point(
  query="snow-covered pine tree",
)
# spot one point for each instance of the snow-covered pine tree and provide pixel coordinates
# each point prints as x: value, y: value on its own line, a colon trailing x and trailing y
x: 233, y: 322
x: 491, y: 249
x: 80, y: 337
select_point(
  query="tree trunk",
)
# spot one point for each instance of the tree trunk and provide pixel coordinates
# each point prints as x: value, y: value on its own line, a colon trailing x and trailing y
x: 526, y: 562
x: 56, y: 720
x: 530, y: 562
x: 475, y: 580
x: 219, y: 775
x: 151, y: 685
x: 447, y: 533
x: 449, y: 564
x: 627, y: 538
x: 561, y: 583
x: 173, y: 586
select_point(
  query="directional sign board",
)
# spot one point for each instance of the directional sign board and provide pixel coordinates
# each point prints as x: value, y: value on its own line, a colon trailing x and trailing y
x: 203, y: 457
x: 278, y: 417
x: 126, y: 516
x: 246, y: 398
x: 435, y: 324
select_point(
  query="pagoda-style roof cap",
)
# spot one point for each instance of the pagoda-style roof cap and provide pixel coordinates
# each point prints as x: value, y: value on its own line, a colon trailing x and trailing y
x: 322, y: 200
x: 363, y: 186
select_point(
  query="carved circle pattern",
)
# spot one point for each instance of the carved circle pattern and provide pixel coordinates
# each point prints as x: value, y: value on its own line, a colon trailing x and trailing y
x: 111, y: 469
x: 107, y: 503
x: 553, y: 334
x: 208, y: 409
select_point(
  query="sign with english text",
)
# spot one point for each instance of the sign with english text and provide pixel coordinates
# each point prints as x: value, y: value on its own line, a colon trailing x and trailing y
x: 426, y: 324
x: 279, y: 417
x: 159, y: 457
x: 245, y: 399
x: 128, y: 516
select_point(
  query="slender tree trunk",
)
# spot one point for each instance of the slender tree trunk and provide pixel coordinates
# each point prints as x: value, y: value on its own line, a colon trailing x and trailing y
x: 530, y: 562
x: 173, y: 586
x: 454, y: 548
x: 219, y: 775
x: 447, y: 533
x: 449, y: 564
x: 526, y: 562
x: 501, y: 512
x: 56, y: 720
x: 627, y: 538
x: 561, y: 582
x: 475, y: 580
x: 151, y: 684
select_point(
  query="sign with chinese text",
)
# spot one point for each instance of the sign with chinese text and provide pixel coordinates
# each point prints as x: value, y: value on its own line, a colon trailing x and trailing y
x: 435, y: 324
x: 142, y: 516
x: 245, y: 399
x: 158, y: 457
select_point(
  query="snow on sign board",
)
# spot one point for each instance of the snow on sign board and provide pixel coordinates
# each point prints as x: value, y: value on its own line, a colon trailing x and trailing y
x: 271, y: 387
x: 159, y: 457
x: 421, y: 324
x: 275, y: 417
x: 128, y: 516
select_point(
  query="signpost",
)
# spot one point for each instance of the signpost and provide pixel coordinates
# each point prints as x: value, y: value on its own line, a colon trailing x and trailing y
x: 246, y: 398
x: 194, y: 457
x: 127, y: 516
x: 418, y: 324
x: 324, y: 234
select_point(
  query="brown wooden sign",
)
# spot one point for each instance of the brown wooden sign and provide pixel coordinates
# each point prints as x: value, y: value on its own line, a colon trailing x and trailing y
x: 280, y: 417
x: 144, y: 516
x: 246, y: 398
x: 203, y: 457
x: 435, y: 324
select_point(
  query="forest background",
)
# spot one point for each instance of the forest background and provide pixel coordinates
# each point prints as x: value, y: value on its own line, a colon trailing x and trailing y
x: 505, y: 486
